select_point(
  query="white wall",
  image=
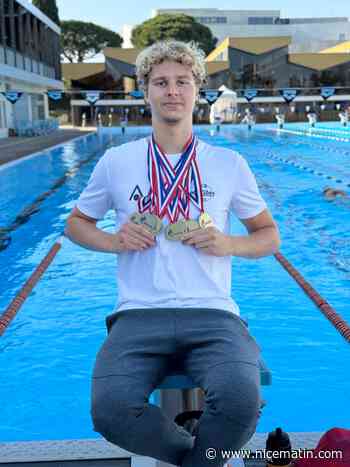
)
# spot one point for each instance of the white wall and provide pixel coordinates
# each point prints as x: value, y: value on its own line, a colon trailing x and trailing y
x: 126, y: 35
x: 233, y: 16
x: 4, y: 112
x: 26, y: 108
x: 306, y: 37
x: 3, y: 126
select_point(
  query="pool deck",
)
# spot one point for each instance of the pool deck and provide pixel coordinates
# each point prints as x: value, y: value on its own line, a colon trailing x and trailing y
x: 100, y: 453
x: 16, y: 147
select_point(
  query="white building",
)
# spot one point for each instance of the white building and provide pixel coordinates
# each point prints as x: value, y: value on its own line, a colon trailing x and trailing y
x: 126, y: 35
x: 29, y: 62
x: 308, y: 34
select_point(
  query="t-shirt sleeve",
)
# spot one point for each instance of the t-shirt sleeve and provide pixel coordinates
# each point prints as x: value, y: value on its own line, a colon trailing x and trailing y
x: 95, y: 200
x: 246, y: 201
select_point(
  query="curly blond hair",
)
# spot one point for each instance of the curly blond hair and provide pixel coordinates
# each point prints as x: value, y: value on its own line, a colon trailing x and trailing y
x: 186, y: 53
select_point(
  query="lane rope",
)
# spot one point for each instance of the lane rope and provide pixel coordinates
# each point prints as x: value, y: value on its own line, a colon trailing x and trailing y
x: 312, y: 144
x: 307, y: 169
x: 310, y: 134
x: 11, y: 311
x: 341, y: 325
x: 33, y: 208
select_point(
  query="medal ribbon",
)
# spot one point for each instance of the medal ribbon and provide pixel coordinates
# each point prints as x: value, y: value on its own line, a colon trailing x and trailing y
x: 179, y: 199
x: 197, y: 192
x: 169, y: 193
x: 169, y: 190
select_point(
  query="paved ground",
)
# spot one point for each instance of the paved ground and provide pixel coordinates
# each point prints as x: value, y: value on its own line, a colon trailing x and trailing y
x: 16, y: 147
x: 100, y: 453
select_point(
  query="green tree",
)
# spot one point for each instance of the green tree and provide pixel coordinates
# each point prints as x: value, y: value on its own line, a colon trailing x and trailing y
x: 49, y: 8
x: 80, y: 40
x: 180, y: 27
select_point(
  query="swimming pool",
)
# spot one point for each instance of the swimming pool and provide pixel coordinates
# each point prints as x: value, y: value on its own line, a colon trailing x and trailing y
x: 47, y: 354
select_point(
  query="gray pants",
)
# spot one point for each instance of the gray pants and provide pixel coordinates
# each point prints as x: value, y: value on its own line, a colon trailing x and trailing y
x: 216, y: 351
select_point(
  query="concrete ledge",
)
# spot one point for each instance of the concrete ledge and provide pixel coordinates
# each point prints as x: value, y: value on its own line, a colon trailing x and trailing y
x: 299, y: 440
x: 35, y: 451
x: 99, y: 449
x: 77, y: 463
x: 15, y: 148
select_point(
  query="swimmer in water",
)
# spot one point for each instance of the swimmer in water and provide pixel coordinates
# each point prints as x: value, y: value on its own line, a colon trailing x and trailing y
x: 331, y: 193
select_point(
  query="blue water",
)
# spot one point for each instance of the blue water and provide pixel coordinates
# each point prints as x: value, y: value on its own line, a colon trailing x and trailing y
x: 47, y: 354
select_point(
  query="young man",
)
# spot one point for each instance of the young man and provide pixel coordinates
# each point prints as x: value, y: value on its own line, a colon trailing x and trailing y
x: 172, y: 194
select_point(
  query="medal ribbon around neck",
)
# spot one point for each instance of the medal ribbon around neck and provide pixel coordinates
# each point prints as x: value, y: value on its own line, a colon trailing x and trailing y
x: 180, y: 198
x: 169, y: 193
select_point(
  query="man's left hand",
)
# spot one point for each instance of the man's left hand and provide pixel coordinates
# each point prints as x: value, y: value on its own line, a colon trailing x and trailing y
x: 210, y: 241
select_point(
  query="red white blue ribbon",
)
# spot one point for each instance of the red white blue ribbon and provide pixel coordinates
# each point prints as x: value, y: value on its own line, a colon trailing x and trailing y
x: 172, y: 188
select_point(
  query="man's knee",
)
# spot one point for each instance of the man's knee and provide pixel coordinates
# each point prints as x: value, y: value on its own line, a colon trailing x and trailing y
x: 113, y: 408
x: 238, y: 398
x: 242, y: 404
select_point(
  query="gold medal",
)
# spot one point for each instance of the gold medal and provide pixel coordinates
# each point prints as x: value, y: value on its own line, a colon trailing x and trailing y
x: 191, y: 225
x: 175, y: 231
x: 179, y: 229
x: 205, y: 220
x: 135, y: 218
x: 152, y: 222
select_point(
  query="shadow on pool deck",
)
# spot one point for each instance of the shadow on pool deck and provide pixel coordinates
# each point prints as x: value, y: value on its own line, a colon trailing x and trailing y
x: 17, y: 147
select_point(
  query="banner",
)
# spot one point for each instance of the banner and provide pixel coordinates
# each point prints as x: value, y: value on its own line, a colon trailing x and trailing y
x: 136, y: 93
x: 12, y: 96
x: 249, y: 94
x: 92, y: 96
x: 55, y: 95
x: 327, y: 92
x: 210, y: 95
x: 289, y: 94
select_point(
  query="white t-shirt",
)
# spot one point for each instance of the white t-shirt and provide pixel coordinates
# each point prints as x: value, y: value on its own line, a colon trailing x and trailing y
x: 171, y: 274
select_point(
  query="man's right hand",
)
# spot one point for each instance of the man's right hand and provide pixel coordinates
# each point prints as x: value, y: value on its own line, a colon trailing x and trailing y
x: 133, y: 237
x: 82, y: 230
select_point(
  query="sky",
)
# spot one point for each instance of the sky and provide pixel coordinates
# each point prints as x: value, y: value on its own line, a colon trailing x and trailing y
x: 114, y: 13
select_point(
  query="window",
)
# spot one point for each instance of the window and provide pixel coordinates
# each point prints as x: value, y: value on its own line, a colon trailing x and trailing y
x: 260, y: 20
x: 212, y: 19
x: 282, y: 21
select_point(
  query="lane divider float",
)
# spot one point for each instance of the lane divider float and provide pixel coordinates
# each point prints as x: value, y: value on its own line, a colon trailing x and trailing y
x: 35, y: 206
x: 310, y: 133
x: 11, y: 311
x: 328, y: 311
x: 307, y: 169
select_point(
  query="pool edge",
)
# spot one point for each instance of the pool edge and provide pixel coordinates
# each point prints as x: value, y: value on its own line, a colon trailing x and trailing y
x: 95, y: 449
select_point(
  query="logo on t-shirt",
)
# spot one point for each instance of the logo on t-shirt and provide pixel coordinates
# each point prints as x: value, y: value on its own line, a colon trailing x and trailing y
x: 136, y: 194
x: 208, y: 193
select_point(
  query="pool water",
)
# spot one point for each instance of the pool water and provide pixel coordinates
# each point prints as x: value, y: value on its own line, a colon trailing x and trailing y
x: 47, y: 353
